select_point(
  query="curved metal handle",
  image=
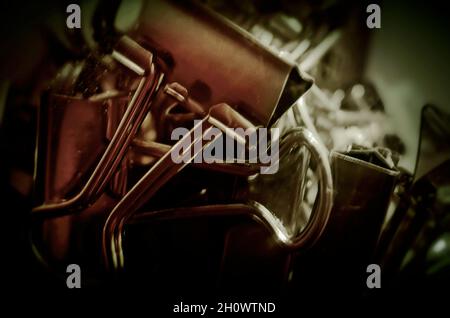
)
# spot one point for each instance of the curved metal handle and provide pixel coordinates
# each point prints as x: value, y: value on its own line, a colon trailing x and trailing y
x: 324, y: 201
x: 158, y: 175
x: 319, y: 216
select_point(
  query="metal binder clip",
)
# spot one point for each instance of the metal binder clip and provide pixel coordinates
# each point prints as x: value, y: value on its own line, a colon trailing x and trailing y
x: 139, y: 61
x: 220, y: 116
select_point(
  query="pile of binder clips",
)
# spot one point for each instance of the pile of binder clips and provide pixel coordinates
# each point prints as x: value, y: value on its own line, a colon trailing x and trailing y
x: 109, y: 196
